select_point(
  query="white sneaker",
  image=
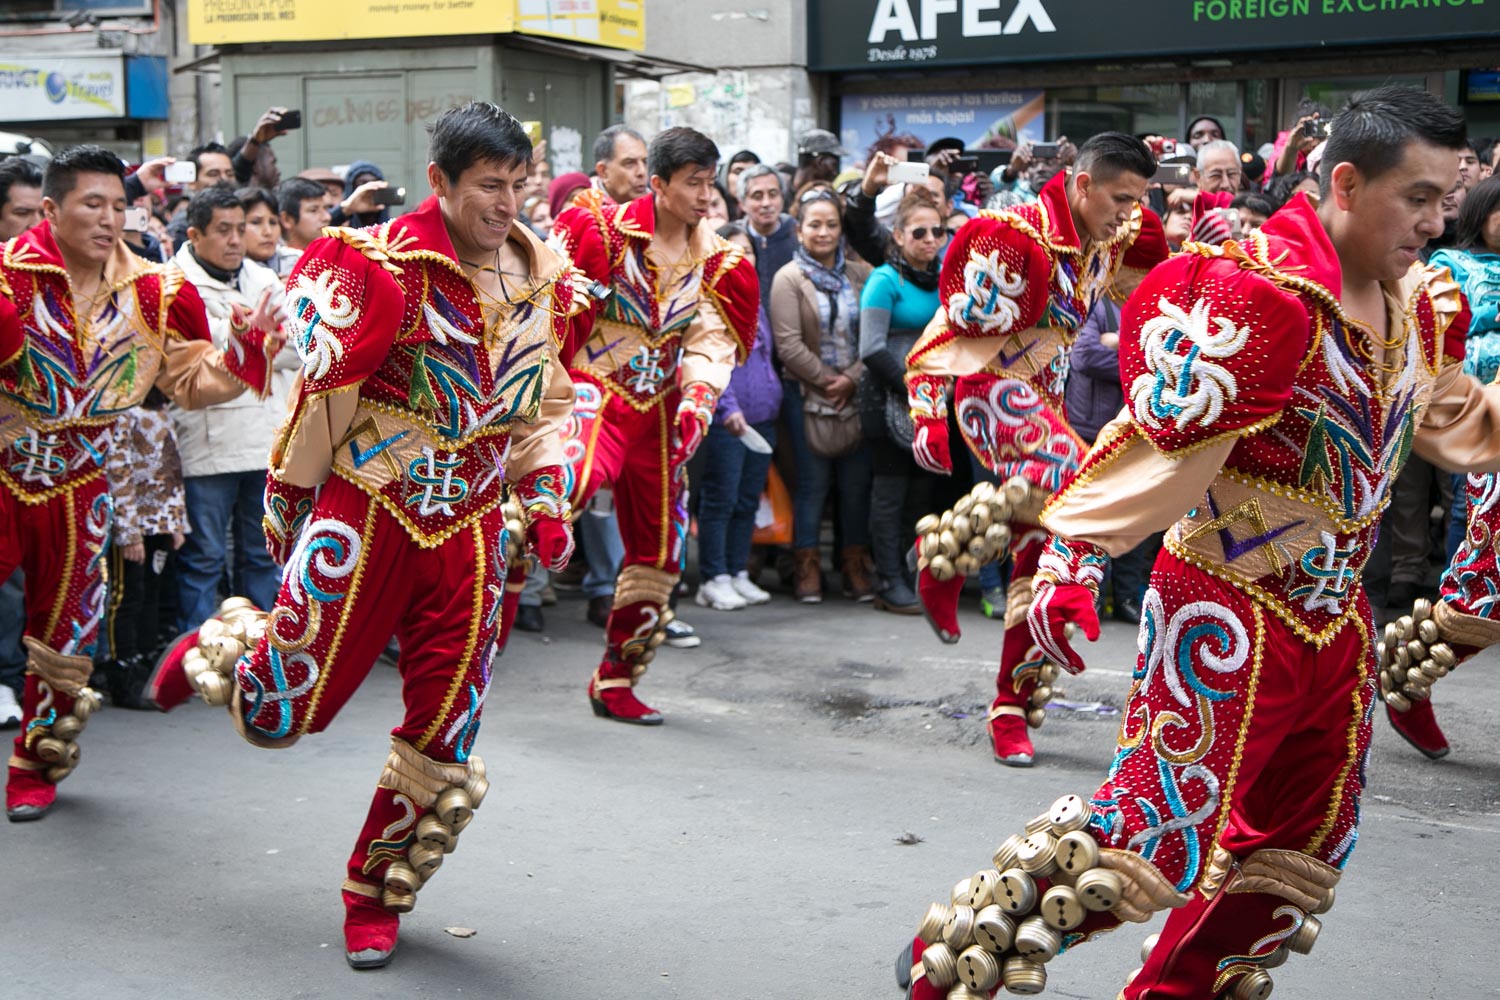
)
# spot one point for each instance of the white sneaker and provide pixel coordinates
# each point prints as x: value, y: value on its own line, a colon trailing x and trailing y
x: 720, y: 594
x: 10, y: 710
x: 748, y: 590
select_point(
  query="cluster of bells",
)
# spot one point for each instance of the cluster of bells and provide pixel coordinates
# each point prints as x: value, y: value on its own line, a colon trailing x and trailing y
x: 1005, y: 923
x: 436, y: 835
x: 1256, y: 984
x: 515, y: 531
x: 222, y: 640
x: 1412, y: 656
x: 56, y: 745
x: 975, y: 531
x: 640, y: 661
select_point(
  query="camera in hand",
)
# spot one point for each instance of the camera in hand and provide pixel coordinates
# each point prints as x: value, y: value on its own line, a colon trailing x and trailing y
x: 388, y: 196
x: 1317, y: 128
x: 289, y: 120
x: 1044, y: 150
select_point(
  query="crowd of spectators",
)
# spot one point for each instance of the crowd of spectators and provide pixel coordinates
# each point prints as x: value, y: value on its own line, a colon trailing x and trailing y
x: 848, y: 265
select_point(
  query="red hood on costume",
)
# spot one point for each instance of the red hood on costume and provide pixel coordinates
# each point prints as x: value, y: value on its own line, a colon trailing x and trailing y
x: 1054, y: 197
x: 1296, y: 228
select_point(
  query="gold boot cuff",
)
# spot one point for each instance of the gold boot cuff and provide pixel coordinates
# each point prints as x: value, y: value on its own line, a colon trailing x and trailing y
x: 418, y: 777
x: 68, y: 674
x: 1145, y: 892
x: 1465, y: 630
x: 644, y: 583
x: 1301, y: 880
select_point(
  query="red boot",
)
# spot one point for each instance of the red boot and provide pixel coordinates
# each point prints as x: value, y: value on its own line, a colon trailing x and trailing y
x: 45, y: 750
x: 940, y: 604
x: 1009, y: 735
x: 28, y: 794
x: 369, y: 930
x: 634, y: 632
x: 1419, y: 727
x: 168, y: 685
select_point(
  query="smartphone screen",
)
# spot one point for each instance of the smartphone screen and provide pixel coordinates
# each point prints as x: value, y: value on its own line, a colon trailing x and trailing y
x: 909, y: 173
x: 182, y: 172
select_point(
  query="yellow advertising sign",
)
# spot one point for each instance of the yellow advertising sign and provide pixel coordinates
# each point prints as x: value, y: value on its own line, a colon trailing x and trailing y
x: 612, y: 23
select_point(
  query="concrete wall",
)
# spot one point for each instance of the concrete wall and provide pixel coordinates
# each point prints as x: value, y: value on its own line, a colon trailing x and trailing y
x: 760, y: 97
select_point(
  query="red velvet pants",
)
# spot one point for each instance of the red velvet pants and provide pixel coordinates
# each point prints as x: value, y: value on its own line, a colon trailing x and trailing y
x: 61, y: 545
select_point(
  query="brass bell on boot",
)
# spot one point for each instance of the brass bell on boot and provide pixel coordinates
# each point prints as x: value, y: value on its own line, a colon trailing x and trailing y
x: 1307, y: 935
x: 941, y: 965
x: 1076, y: 852
x: 477, y: 786
x: 965, y: 564
x: 958, y: 931
x: 402, y: 878
x: 86, y: 704
x: 1278, y: 958
x: 209, y: 631
x: 462, y: 825
x: 1069, y: 813
x: 215, y: 688
x: 1147, y: 945
x: 398, y: 902
x: 978, y: 969
x: 67, y: 727
x: 1036, y: 717
x: 51, y: 750
x: 1253, y: 985
x: 1038, y: 855
x: 930, y: 929
x: 233, y: 604
x: 72, y: 752
x: 1062, y: 909
x: 1005, y: 854
x: 1016, y: 893
x: 1037, y: 942
x: 1017, y: 490
x: 927, y: 524
x: 980, y: 518
x: 982, y: 888
x: 959, y: 894
x: 1023, y: 977
x: 1099, y: 890
x: 993, y: 929
x: 962, y: 992
x: 1326, y: 904
x: 941, y: 568
x: 426, y: 860
x: 58, y: 773
x: 433, y: 832
x: 454, y: 808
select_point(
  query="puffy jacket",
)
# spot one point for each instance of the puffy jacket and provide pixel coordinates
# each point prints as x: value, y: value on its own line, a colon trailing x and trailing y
x: 235, y: 436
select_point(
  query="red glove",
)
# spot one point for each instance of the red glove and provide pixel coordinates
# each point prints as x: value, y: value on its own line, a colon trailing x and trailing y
x: 1065, y: 589
x: 929, y: 445
x: 927, y: 396
x: 694, y: 414
x: 287, y: 510
x: 549, y: 530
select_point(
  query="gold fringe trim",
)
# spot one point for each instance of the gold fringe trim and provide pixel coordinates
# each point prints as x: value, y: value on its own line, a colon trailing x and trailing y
x: 68, y: 674
x: 1301, y: 880
x: 419, y: 777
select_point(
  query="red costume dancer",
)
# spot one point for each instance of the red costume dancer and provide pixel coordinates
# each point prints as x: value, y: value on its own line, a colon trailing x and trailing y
x: 86, y: 329
x: 1016, y: 286
x: 1233, y: 798
x: 680, y: 314
x: 1416, y: 652
x: 431, y: 378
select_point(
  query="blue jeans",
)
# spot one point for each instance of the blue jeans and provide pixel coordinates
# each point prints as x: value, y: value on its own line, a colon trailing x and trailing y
x: 215, y: 505
x: 728, y: 497
x: 12, y: 624
x: 815, y: 475
x: 603, y: 551
x: 1458, y: 522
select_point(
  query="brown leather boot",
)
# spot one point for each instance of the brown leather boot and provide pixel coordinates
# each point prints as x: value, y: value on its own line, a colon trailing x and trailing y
x: 808, y: 587
x: 856, y: 566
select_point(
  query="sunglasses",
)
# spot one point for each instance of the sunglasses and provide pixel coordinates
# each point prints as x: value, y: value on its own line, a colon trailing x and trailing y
x: 817, y: 194
x: 938, y: 232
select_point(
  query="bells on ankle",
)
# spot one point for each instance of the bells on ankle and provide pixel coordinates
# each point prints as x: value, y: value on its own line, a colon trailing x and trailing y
x: 1411, y: 657
x: 1003, y: 924
x: 222, y: 640
x: 976, y: 531
x: 56, y: 744
x: 435, y: 836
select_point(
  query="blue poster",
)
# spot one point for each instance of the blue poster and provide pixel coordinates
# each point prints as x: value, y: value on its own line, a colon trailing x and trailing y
x: 992, y: 119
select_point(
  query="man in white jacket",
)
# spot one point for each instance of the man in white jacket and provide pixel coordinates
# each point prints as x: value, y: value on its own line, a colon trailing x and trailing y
x: 224, y: 448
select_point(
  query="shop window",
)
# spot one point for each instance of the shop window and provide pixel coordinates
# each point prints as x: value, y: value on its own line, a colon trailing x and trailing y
x: 1079, y: 112
x: 1218, y: 99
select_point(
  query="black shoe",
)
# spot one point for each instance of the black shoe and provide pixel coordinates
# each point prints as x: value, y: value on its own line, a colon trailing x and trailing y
x: 599, y: 608
x: 126, y: 682
x: 1128, y: 612
x: 529, y: 618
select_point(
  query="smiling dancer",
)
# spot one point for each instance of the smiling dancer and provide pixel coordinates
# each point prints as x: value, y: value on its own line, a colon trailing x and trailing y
x: 430, y: 380
x: 1276, y: 387
x: 680, y: 315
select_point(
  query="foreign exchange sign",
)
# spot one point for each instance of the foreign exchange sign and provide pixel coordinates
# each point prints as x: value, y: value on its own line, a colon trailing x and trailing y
x: 861, y: 34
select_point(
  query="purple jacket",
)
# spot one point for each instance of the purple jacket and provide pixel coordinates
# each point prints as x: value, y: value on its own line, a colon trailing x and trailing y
x: 754, y: 389
x: 1094, y: 395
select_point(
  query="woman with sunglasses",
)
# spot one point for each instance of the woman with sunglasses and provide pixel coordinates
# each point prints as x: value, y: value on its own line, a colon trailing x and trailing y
x: 898, y: 301
x: 815, y: 319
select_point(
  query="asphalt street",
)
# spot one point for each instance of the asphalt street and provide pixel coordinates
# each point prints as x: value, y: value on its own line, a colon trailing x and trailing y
x: 747, y: 849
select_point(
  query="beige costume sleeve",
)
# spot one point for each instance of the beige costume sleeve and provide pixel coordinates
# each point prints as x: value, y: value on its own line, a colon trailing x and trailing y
x: 314, y: 427
x: 1137, y: 491
x: 540, y: 443
x: 958, y: 357
x: 193, y: 374
x: 708, y: 350
x: 1460, y: 429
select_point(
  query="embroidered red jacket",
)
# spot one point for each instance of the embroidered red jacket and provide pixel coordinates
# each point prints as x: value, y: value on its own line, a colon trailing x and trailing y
x: 66, y: 379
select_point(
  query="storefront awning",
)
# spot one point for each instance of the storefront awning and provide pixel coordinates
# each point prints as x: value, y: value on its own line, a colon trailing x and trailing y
x: 636, y: 64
